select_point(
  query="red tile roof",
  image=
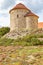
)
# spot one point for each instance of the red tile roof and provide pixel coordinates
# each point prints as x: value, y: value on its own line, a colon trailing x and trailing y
x: 19, y: 6
x: 40, y: 25
x: 31, y: 14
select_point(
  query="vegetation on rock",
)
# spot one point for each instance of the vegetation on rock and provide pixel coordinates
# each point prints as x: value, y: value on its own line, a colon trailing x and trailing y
x: 28, y: 40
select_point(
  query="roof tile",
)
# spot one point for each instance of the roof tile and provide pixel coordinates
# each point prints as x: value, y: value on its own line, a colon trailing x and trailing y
x: 30, y: 14
x: 19, y: 6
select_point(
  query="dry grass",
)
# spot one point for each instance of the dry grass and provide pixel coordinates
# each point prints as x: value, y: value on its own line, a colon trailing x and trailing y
x: 19, y: 55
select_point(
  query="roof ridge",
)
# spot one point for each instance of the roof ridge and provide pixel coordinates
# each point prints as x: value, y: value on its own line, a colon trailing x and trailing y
x: 19, y: 6
x: 31, y: 14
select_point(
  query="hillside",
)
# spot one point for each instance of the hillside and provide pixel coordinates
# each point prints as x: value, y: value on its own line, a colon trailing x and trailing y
x: 26, y: 49
x: 21, y: 34
x: 19, y: 55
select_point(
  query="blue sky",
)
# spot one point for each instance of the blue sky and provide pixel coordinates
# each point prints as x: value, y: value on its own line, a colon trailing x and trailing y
x: 35, y: 6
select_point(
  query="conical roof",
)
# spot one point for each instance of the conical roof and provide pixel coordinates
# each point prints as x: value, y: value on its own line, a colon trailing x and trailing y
x: 19, y: 6
x: 31, y: 14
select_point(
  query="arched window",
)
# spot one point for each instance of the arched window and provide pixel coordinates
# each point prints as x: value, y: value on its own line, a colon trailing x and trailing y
x: 17, y: 16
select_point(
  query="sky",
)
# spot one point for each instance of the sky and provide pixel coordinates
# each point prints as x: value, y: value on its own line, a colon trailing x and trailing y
x: 36, y: 6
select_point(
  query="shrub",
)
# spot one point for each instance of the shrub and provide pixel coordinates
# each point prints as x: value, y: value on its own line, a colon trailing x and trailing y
x: 35, y: 41
x: 4, y: 30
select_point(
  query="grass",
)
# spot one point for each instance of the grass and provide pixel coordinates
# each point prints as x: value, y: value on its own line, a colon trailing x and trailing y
x: 28, y: 40
x: 24, y: 51
x: 5, y: 42
x: 22, y: 55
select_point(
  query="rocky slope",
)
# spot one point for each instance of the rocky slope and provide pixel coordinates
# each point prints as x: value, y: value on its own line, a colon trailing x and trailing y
x: 18, y: 34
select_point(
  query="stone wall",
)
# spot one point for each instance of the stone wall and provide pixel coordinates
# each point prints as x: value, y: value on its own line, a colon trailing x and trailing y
x: 31, y: 23
x: 19, y: 22
x: 17, y: 19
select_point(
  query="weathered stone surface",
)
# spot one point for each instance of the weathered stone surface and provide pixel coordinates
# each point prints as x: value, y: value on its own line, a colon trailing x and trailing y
x: 17, y: 19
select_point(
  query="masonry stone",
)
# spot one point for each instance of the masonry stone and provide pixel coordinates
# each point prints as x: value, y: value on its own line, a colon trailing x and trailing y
x: 22, y: 18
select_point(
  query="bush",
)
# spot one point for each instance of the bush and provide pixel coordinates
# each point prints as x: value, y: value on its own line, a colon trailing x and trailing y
x: 35, y: 41
x: 4, y: 30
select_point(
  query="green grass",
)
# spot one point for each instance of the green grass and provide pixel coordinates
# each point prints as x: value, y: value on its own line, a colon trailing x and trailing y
x: 25, y: 41
x: 28, y: 40
x: 5, y: 42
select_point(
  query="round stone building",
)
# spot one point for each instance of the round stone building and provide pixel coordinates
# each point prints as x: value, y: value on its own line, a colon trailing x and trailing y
x: 21, y: 18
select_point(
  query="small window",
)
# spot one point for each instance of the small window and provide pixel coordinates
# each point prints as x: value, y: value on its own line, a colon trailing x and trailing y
x: 17, y: 16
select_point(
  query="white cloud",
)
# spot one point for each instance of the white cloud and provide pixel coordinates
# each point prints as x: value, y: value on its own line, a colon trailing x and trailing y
x: 19, y: 1
x: 3, y: 11
x: 7, y: 3
x: 35, y: 5
x: 1, y: 1
x: 5, y: 21
x: 40, y: 16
